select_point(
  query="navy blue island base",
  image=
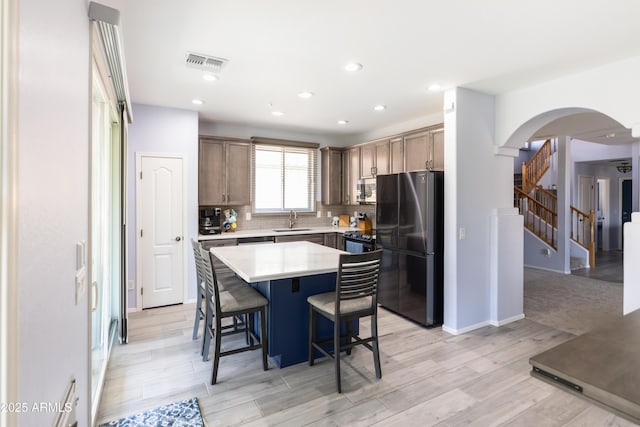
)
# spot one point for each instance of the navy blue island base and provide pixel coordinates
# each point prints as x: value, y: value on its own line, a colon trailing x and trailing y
x: 288, y: 316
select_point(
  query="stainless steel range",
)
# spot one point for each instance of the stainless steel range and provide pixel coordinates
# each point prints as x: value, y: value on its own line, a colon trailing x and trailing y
x: 357, y: 241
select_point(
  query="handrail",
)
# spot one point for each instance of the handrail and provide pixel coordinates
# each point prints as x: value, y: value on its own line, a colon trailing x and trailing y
x: 545, y: 197
x: 533, y: 170
x: 538, y: 218
x: 583, y: 231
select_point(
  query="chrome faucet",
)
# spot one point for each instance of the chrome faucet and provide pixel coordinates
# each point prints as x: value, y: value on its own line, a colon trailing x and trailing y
x: 293, y: 215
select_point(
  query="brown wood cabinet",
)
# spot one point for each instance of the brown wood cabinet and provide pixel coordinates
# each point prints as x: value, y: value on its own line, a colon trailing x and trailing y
x: 350, y: 175
x: 424, y: 150
x: 437, y: 139
x: 314, y: 238
x: 224, y: 171
x: 416, y: 151
x: 396, y: 155
x: 330, y: 240
x: 374, y: 159
x: 331, y: 169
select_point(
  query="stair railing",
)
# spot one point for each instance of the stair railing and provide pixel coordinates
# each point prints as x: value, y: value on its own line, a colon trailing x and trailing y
x: 535, y: 168
x: 538, y: 218
x: 583, y: 232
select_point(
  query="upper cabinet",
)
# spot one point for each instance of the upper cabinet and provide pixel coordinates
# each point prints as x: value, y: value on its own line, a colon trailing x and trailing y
x: 331, y: 159
x: 416, y: 151
x: 437, y: 139
x: 224, y: 170
x: 350, y: 175
x: 424, y: 149
x: 396, y: 155
x: 374, y: 159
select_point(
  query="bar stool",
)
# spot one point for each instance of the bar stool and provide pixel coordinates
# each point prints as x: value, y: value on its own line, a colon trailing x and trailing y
x: 355, y: 297
x: 202, y: 291
x: 235, y: 301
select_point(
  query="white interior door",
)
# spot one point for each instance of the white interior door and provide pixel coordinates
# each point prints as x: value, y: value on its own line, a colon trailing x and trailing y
x: 161, y: 230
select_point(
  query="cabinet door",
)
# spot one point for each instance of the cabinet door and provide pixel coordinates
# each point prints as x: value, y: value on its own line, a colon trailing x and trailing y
x: 437, y: 141
x: 346, y: 174
x: 211, y: 172
x: 382, y: 158
x: 354, y: 174
x: 238, y: 173
x: 331, y: 176
x: 330, y: 240
x: 416, y: 151
x: 396, y: 155
x: 368, y: 160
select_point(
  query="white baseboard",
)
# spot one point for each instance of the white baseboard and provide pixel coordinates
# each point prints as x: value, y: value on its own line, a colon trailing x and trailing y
x: 466, y: 329
x: 470, y: 328
x: 547, y: 269
x: 190, y: 301
x: 506, y: 321
x: 132, y: 310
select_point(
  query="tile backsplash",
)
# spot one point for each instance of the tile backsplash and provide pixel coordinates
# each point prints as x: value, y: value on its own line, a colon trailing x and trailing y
x: 271, y: 221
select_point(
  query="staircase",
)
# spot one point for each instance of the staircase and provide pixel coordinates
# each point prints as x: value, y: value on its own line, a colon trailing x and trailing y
x: 539, y: 207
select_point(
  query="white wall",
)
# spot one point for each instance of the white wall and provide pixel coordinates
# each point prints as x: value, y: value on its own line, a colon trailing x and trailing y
x: 476, y: 183
x: 53, y: 203
x: 172, y: 131
x: 612, y: 89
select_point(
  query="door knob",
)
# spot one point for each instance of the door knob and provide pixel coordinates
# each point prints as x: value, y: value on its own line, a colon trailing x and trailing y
x: 178, y: 238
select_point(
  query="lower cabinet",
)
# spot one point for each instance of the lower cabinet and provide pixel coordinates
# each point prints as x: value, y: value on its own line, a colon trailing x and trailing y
x: 314, y: 238
x: 217, y: 264
x: 330, y: 239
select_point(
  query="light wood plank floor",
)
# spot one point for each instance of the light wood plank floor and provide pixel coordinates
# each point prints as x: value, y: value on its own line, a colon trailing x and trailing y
x: 429, y: 378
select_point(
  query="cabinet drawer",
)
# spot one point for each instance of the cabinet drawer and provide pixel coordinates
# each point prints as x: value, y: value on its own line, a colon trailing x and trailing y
x: 314, y: 238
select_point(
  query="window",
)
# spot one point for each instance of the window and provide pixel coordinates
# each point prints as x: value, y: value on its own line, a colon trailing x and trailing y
x: 284, y: 177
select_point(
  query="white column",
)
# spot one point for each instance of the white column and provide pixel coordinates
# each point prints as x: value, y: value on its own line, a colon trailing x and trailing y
x: 631, y: 295
x: 507, y: 274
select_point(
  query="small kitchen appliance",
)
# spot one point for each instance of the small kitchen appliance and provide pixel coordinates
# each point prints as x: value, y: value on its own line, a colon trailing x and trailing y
x: 209, y: 222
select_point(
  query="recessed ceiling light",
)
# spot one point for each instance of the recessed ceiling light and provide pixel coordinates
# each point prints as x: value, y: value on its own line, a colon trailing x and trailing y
x: 343, y: 122
x: 197, y: 101
x: 210, y: 77
x: 353, y: 66
x: 610, y: 135
x: 435, y: 87
x: 305, y: 95
x: 379, y: 107
x: 277, y: 113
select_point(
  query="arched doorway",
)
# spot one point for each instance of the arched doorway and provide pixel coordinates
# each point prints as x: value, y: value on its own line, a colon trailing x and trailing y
x: 590, y: 149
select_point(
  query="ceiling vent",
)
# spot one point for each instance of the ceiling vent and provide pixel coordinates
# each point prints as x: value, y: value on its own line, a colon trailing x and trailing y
x: 205, y: 62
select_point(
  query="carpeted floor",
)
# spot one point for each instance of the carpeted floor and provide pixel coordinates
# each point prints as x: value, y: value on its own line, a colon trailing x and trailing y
x: 570, y: 303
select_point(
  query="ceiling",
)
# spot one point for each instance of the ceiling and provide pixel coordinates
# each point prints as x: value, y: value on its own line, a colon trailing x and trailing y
x: 277, y: 49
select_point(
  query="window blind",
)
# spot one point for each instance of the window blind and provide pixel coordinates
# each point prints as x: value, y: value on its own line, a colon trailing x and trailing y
x: 284, y: 178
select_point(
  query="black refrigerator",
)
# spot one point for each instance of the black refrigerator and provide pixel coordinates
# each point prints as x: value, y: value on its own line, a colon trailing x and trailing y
x: 410, y: 231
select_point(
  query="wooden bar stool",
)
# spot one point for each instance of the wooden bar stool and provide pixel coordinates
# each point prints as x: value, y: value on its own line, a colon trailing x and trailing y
x: 355, y: 297
x: 235, y: 301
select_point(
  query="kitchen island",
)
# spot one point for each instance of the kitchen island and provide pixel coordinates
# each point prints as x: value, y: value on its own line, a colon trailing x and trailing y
x: 286, y: 274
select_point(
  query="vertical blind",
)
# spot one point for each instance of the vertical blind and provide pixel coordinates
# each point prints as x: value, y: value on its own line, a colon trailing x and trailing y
x: 284, y: 178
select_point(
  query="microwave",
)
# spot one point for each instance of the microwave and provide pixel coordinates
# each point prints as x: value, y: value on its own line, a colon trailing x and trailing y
x: 366, y: 191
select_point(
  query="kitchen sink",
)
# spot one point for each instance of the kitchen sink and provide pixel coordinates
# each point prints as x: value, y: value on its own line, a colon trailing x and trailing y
x: 283, y: 230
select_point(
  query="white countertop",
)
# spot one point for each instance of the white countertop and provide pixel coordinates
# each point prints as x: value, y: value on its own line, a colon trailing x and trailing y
x: 259, y: 262
x: 267, y: 232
